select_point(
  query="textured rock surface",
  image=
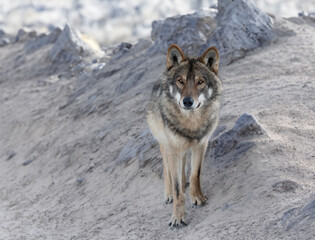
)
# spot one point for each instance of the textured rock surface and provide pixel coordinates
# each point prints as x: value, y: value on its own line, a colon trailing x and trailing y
x: 4, y: 41
x: 241, y: 27
x: 188, y: 31
x: 294, y: 218
x: 23, y: 35
x: 68, y: 47
x: 247, y: 125
x: 238, y: 27
x: 285, y: 186
x: 234, y: 143
x: 42, y: 40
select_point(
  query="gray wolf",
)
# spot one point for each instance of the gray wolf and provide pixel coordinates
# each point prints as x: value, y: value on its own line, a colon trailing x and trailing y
x: 182, y: 114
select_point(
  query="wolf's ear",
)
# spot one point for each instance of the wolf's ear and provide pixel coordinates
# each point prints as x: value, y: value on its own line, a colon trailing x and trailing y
x: 211, y: 59
x: 174, y: 56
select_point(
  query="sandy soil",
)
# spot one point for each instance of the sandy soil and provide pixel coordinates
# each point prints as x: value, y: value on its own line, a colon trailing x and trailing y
x: 72, y: 185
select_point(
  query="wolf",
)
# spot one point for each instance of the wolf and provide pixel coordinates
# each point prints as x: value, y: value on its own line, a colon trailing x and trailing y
x: 182, y: 114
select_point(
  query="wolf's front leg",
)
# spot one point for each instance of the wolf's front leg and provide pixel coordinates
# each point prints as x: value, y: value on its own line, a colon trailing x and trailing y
x: 167, y: 178
x: 175, y: 161
x: 196, y: 195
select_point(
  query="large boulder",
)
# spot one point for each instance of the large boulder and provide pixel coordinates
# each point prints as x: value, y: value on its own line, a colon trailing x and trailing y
x: 188, y: 31
x: 68, y: 47
x: 234, y: 143
x: 242, y: 26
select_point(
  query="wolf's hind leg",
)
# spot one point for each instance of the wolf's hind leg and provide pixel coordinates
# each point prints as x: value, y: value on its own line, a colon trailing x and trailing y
x: 196, y: 195
x: 167, y: 178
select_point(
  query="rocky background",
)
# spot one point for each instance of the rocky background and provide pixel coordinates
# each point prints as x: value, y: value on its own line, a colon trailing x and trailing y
x: 77, y: 158
x: 110, y: 22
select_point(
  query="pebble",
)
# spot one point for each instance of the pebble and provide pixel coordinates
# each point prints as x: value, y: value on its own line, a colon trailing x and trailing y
x: 27, y: 162
x: 80, y: 180
x: 11, y: 155
x: 4, y: 41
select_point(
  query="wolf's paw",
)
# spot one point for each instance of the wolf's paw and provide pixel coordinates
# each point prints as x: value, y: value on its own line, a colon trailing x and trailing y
x: 177, y: 222
x: 198, y: 200
x: 169, y: 199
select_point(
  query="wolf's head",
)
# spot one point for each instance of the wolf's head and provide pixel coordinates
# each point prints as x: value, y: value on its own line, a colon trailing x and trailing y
x: 192, y: 82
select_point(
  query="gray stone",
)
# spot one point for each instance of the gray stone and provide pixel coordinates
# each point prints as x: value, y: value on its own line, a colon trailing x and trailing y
x: 309, y: 210
x: 124, y: 47
x: 68, y: 47
x: 242, y: 26
x: 19, y: 35
x: 287, y: 215
x: 4, y: 41
x: 42, y: 40
x: 27, y: 162
x: 80, y: 180
x: 241, y: 149
x: 306, y: 14
x: 224, y: 146
x: 234, y: 143
x: 22, y: 35
x: 285, y: 186
x: 218, y: 131
x: 295, y: 217
x: 11, y: 155
x: 247, y: 125
x: 188, y: 31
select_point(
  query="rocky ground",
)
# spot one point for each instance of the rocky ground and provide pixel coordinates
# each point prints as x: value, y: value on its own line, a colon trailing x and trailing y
x: 78, y: 161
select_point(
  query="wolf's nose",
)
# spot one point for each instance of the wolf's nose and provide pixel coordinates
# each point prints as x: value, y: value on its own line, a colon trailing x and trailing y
x: 188, y: 102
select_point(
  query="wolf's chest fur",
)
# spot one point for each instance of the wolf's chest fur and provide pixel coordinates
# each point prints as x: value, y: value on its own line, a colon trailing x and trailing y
x: 176, y: 128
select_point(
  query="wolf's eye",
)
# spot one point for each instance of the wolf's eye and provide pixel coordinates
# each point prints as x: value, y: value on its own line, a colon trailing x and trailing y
x: 200, y: 82
x: 180, y: 80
